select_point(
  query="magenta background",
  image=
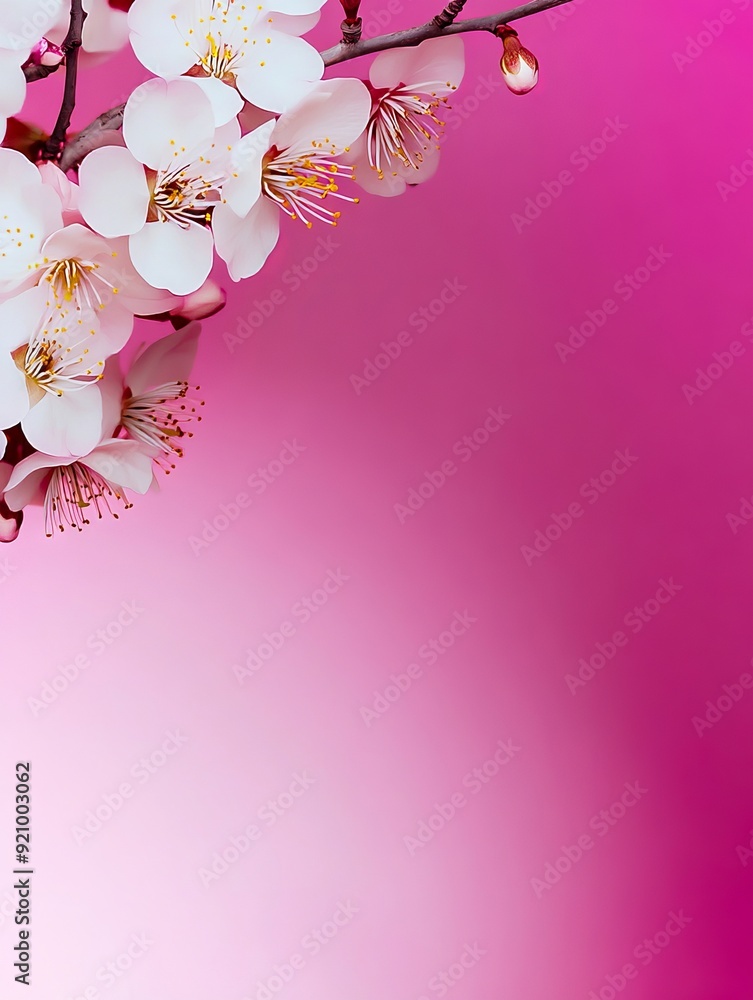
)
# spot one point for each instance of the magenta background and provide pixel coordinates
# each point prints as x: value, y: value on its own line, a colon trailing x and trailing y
x: 334, y: 508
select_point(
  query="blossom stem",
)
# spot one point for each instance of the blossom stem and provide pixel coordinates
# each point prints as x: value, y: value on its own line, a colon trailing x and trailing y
x: 414, y: 36
x: 54, y: 145
x: 86, y: 140
x: 448, y: 15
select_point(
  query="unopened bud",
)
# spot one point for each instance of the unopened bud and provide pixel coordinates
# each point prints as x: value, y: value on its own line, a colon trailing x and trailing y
x: 201, y: 304
x: 46, y: 53
x: 351, y: 9
x: 10, y: 522
x: 520, y: 68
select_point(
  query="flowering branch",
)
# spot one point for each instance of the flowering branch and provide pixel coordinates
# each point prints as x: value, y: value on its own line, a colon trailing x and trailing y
x: 71, y: 45
x: 414, y: 36
x: 448, y: 15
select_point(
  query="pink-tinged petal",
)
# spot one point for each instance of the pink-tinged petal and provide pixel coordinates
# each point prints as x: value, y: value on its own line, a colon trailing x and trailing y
x: 167, y: 121
x: 169, y: 359
x: 26, y: 483
x: 105, y: 29
x: 20, y: 317
x: 65, y: 425
x: 66, y: 191
x: 126, y: 463
x: 13, y: 90
x: 168, y: 256
x: 334, y: 113
x: 294, y: 7
x: 75, y: 241
x: 242, y: 189
x: 115, y: 327
x: 276, y: 74
x: 396, y: 179
x: 158, y: 38
x: 437, y: 63
x: 245, y: 244
x: 111, y: 390
x: 296, y: 24
x: 137, y: 295
x: 14, y: 396
x: 225, y: 100
x: 114, y: 195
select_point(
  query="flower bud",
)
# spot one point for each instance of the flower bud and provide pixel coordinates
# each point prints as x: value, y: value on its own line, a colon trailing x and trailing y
x: 520, y: 68
x: 204, y: 302
x: 46, y: 53
x: 351, y: 9
x: 10, y: 522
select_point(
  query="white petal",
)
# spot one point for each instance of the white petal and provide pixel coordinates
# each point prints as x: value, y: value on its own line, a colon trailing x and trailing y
x: 438, y: 63
x: 170, y: 257
x: 20, y: 317
x: 114, y: 196
x: 243, y: 188
x: 245, y: 244
x: 295, y: 7
x: 169, y: 359
x: 14, y: 396
x: 125, y: 463
x: 27, y: 478
x: 12, y: 83
x: 167, y: 121
x: 334, y: 113
x: 225, y: 100
x: 277, y: 73
x: 65, y: 425
x: 158, y: 40
x: 296, y: 24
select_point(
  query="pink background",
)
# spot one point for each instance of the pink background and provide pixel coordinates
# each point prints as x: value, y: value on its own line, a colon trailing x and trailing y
x: 678, y: 848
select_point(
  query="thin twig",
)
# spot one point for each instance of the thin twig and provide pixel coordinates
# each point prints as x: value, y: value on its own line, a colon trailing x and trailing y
x: 87, y: 139
x: 54, y: 145
x: 447, y: 16
x: 414, y: 36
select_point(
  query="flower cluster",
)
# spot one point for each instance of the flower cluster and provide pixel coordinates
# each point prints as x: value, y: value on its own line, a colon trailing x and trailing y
x: 235, y: 131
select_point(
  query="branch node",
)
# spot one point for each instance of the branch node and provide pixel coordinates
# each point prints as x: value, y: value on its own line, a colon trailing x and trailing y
x: 448, y: 15
x: 352, y: 31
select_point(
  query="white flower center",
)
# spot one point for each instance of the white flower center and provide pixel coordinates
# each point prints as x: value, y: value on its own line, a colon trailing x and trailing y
x: 71, y: 491
x: 299, y: 183
x: 403, y: 125
x: 79, y: 281
x: 56, y: 360
x: 157, y: 416
x: 186, y: 195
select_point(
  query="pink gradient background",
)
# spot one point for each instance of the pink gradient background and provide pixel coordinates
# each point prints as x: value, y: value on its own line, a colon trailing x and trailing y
x: 333, y: 509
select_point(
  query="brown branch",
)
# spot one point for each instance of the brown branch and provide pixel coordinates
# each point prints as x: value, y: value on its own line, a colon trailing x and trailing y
x: 448, y: 15
x: 86, y: 140
x: 54, y: 145
x: 414, y: 36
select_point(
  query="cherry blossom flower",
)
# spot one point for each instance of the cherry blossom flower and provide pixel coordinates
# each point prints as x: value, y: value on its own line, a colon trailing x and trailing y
x: 30, y: 211
x: 408, y: 86
x: 160, y: 189
x: 290, y: 165
x: 252, y: 47
x: 73, y: 489
x: 50, y: 361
